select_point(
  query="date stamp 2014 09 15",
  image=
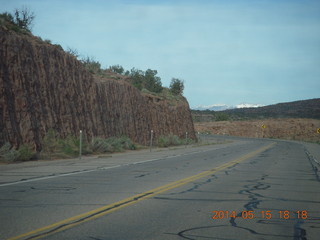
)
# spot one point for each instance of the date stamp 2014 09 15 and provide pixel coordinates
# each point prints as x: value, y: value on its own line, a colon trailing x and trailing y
x: 285, y: 214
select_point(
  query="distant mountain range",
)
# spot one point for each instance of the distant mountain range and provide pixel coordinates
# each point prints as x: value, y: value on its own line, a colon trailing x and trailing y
x: 222, y: 107
x: 298, y: 109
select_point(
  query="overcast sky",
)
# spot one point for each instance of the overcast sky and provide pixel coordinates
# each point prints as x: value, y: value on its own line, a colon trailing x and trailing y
x: 226, y: 51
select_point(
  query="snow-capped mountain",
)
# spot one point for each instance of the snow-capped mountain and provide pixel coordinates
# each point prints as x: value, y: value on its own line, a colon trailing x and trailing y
x: 222, y: 107
x: 214, y: 107
x: 248, y: 105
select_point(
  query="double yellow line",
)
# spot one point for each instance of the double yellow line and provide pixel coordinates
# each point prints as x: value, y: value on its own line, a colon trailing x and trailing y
x: 99, y: 212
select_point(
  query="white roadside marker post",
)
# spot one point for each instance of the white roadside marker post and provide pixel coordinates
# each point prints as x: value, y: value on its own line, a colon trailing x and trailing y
x: 186, y: 139
x: 151, y: 138
x: 80, y: 147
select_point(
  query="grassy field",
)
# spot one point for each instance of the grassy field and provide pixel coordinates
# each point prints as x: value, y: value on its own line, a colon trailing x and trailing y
x: 290, y: 128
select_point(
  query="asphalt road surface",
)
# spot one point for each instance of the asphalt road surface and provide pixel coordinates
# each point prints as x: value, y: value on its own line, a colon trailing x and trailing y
x: 244, y: 189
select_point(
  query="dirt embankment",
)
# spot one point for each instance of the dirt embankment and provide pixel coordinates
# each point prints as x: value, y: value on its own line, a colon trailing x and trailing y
x: 292, y: 128
x: 43, y: 87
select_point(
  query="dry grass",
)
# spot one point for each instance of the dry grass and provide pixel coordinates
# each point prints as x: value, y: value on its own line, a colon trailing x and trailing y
x: 291, y: 128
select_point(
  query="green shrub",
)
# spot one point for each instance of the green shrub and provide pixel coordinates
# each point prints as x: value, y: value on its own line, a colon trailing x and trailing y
x: 147, y: 80
x: 115, y: 143
x: 170, y: 140
x: 8, y: 153
x: 25, y: 153
x: 127, y: 143
x: 222, y: 116
x: 100, y: 145
x: 187, y: 141
x: 55, y: 147
x: 112, y: 144
x: 70, y: 145
x: 117, y: 69
x: 173, y: 140
x: 50, y: 144
x: 163, y: 141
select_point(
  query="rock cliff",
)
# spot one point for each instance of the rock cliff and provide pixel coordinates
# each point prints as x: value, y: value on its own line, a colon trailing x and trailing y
x: 42, y: 87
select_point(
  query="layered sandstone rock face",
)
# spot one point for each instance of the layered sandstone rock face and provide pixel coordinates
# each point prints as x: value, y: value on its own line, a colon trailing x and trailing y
x: 42, y: 87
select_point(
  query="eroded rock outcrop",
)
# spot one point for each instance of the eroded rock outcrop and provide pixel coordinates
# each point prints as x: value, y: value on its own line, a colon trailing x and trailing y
x: 43, y: 87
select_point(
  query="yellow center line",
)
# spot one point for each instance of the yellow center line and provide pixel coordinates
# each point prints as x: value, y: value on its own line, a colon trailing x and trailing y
x: 99, y: 212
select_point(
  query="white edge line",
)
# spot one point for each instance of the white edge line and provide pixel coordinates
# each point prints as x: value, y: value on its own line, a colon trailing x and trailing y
x: 98, y: 169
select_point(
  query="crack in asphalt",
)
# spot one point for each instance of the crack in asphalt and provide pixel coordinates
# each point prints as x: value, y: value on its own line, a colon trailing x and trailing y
x: 196, y: 185
x: 299, y: 232
x: 187, y: 233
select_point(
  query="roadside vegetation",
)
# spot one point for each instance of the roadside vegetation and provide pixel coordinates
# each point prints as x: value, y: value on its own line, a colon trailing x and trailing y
x: 54, y: 147
x: 173, y: 140
x: 10, y: 154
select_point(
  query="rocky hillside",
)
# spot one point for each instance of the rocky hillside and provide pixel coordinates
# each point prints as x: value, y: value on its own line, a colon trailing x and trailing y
x: 42, y: 87
x: 297, y: 109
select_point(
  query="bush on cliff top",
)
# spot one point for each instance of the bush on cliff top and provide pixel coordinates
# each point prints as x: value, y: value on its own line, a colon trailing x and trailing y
x: 22, y: 19
x: 92, y: 65
x: 146, y: 79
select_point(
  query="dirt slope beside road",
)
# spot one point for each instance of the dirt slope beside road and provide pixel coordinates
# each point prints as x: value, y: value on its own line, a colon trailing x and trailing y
x: 292, y: 129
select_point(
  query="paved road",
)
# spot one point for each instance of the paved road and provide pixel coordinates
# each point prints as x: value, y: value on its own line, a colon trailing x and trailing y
x: 244, y: 189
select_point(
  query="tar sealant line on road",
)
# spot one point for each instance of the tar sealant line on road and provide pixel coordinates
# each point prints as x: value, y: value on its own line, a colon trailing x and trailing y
x: 98, y: 168
x: 104, y: 210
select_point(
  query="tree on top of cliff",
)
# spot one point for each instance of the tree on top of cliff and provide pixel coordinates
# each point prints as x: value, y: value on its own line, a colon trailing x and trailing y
x: 176, y: 86
x: 147, y: 80
x: 22, y: 19
x: 117, y: 69
x: 152, y: 82
x: 92, y: 65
